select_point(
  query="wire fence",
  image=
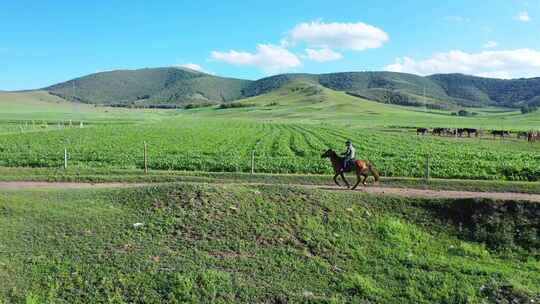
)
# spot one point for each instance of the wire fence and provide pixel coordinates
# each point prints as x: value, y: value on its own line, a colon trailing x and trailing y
x: 464, y: 165
x: 150, y: 159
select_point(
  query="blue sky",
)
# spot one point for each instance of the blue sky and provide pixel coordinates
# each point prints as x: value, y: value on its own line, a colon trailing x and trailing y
x: 45, y: 42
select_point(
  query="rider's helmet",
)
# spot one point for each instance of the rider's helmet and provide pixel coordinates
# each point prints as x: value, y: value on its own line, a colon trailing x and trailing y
x: 348, y: 142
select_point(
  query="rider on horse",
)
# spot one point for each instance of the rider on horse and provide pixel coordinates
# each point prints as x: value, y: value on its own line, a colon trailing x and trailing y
x: 349, y: 155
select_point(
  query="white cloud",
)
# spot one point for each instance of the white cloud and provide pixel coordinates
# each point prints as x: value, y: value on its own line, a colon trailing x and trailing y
x: 323, y: 55
x: 270, y: 58
x: 321, y: 39
x: 505, y: 64
x: 353, y: 36
x: 490, y: 45
x: 195, y: 67
x: 523, y: 16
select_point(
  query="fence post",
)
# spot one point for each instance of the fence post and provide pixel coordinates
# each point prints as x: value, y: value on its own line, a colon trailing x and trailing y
x: 145, y: 158
x: 253, y: 162
x: 427, y: 169
x: 65, y: 158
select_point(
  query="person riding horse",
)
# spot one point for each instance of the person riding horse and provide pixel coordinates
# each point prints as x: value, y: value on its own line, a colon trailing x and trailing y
x: 349, y: 155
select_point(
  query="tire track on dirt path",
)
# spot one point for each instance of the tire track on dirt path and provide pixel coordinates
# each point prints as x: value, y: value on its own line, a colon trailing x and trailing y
x: 373, y: 190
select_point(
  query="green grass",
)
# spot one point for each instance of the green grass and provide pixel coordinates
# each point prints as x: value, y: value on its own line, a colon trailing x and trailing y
x: 21, y: 108
x: 235, y: 244
x: 188, y: 143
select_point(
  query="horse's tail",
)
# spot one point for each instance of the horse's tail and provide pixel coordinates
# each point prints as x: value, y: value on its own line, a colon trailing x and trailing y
x: 374, y: 171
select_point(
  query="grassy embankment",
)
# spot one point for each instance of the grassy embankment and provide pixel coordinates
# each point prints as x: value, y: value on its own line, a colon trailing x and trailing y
x: 237, y: 244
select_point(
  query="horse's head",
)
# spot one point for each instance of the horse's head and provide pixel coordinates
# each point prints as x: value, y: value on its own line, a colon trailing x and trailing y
x: 329, y: 153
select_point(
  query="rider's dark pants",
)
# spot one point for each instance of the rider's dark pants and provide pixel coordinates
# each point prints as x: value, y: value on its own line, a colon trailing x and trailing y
x: 345, y: 164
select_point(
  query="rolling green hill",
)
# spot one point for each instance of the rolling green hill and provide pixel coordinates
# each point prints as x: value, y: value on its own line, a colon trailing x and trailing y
x: 303, y: 100
x: 150, y: 86
x: 479, y: 90
x: 440, y: 91
x: 179, y: 86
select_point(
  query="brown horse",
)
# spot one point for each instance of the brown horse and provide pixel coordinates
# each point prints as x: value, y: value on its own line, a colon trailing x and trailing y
x: 361, y: 168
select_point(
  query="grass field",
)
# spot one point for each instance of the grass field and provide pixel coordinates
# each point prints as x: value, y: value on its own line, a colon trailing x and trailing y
x: 255, y: 244
x: 21, y: 108
x: 224, y: 145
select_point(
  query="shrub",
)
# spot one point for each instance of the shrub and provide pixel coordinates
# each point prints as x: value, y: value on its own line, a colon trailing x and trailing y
x: 235, y: 105
x: 528, y: 109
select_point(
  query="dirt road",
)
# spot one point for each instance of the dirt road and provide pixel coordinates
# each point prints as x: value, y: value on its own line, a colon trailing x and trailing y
x: 402, y: 192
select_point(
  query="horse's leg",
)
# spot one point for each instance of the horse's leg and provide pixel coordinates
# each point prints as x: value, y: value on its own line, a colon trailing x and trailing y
x: 345, y: 180
x: 358, y: 173
x: 364, y: 181
x: 335, y: 179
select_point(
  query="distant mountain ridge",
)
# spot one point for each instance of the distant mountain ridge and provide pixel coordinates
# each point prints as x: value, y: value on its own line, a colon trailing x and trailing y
x: 150, y: 86
x: 180, y: 86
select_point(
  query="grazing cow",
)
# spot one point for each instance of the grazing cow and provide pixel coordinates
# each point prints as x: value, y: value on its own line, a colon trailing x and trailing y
x: 523, y: 135
x: 437, y: 131
x: 441, y: 131
x: 471, y: 131
x: 533, y: 136
x: 460, y: 132
x: 422, y: 131
x: 501, y: 133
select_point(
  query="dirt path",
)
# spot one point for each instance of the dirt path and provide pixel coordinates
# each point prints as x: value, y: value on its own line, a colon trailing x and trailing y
x: 402, y: 192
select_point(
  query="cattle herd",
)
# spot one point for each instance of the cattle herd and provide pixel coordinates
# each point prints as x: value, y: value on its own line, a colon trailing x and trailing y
x: 469, y: 132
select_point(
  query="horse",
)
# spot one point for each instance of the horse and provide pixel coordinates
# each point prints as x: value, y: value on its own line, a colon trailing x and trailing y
x: 361, y: 168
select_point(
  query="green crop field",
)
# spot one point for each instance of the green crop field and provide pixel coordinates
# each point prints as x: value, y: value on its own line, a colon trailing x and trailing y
x: 219, y: 145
